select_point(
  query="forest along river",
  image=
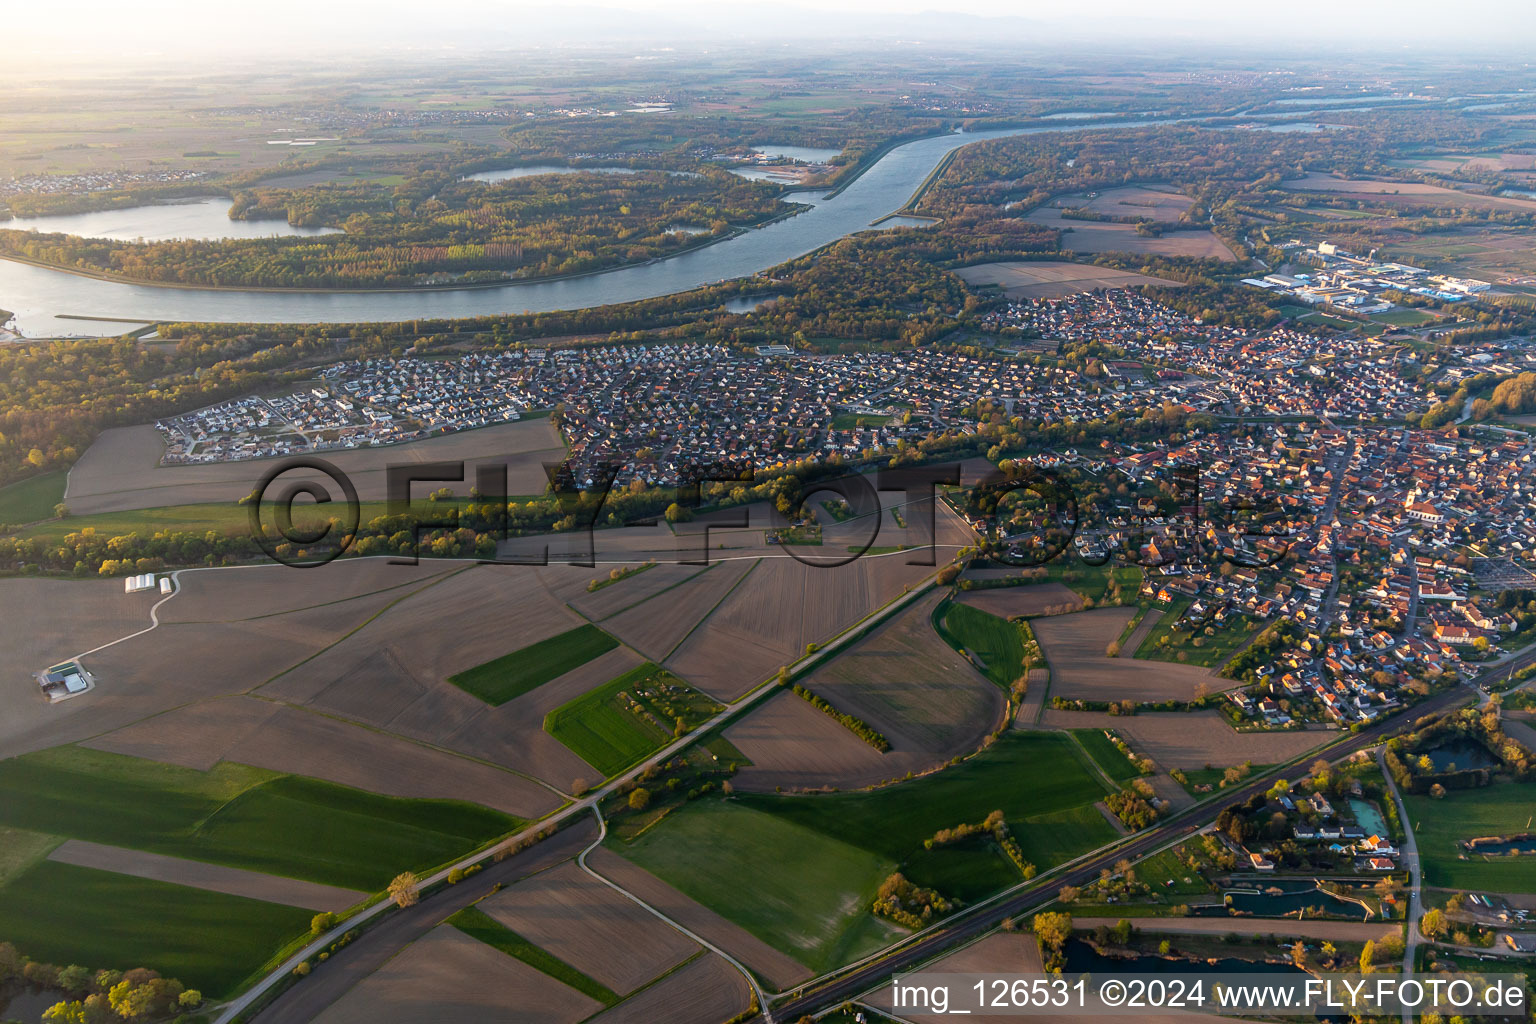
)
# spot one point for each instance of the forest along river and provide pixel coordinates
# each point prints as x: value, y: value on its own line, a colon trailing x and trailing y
x: 40, y: 297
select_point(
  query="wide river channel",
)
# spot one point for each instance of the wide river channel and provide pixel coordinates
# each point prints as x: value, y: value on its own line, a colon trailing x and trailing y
x: 46, y: 302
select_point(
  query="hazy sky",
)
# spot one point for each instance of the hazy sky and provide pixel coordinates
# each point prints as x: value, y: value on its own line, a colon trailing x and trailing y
x: 197, y: 27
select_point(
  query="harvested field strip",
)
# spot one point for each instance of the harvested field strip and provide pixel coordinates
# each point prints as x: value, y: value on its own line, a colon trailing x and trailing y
x: 658, y: 625
x: 211, y: 941
x: 515, y: 674
x: 706, y: 990
x: 604, y: 727
x: 447, y: 977
x: 992, y: 641
x: 290, y: 892
x: 370, y: 620
x: 636, y: 601
x: 583, y: 922
x: 239, y: 816
x: 1028, y: 776
x: 805, y: 893
x: 711, y: 611
x: 1104, y: 753
x: 474, y: 922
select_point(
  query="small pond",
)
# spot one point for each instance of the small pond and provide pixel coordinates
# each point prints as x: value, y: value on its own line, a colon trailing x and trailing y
x: 1460, y: 755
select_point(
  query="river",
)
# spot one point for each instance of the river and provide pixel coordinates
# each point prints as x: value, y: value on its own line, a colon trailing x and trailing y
x: 46, y: 302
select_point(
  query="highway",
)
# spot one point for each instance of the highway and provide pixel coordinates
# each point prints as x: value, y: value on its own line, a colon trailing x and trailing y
x: 967, y: 926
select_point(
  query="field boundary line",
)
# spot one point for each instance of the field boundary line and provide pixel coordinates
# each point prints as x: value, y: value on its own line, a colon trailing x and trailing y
x: 669, y: 587
x: 581, y: 861
x: 1093, y: 765
x: 424, y: 744
x: 434, y: 581
x: 709, y: 614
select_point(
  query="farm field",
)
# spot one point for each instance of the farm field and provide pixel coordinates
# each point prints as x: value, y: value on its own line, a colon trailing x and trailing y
x: 1080, y: 670
x: 1051, y: 814
x: 1405, y: 193
x: 992, y: 641
x: 778, y: 969
x: 706, y: 991
x: 392, y: 672
x: 1192, y: 739
x: 1504, y: 808
x: 32, y: 499
x: 238, y: 816
x: 254, y: 592
x: 1087, y: 236
x: 290, y: 892
x: 1492, y: 254
x: 1022, y: 601
x: 48, y: 621
x: 584, y: 923
x: 813, y: 906
x: 792, y: 745
x: 452, y: 976
x: 68, y: 914
x: 476, y: 922
x: 121, y: 470
x: 620, y: 722
x: 901, y: 679
x: 1104, y: 754
x: 1052, y: 280
x: 656, y: 626
x: 630, y: 591
x: 282, y: 738
x: 514, y: 674
x: 784, y: 605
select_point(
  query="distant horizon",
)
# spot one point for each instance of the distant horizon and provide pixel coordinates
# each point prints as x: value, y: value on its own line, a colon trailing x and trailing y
x: 184, y: 32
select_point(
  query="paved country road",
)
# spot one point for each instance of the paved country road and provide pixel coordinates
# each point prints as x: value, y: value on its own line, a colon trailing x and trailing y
x: 967, y: 926
x: 281, y: 1011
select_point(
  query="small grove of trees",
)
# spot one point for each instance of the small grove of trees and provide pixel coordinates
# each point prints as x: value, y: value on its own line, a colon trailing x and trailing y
x: 909, y: 904
x: 1052, y: 930
x: 98, y: 997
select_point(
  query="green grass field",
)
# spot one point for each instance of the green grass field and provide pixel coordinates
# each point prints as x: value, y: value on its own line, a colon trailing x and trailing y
x: 1212, y: 651
x: 476, y: 923
x: 798, y: 889
x: 995, y: 641
x: 1404, y: 318
x: 32, y: 499
x: 1501, y: 809
x: 20, y: 849
x: 1110, y: 761
x: 849, y: 420
x: 239, y: 816
x: 66, y: 914
x: 604, y: 730
x: 1040, y: 781
x: 1161, y: 868
x: 515, y: 674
